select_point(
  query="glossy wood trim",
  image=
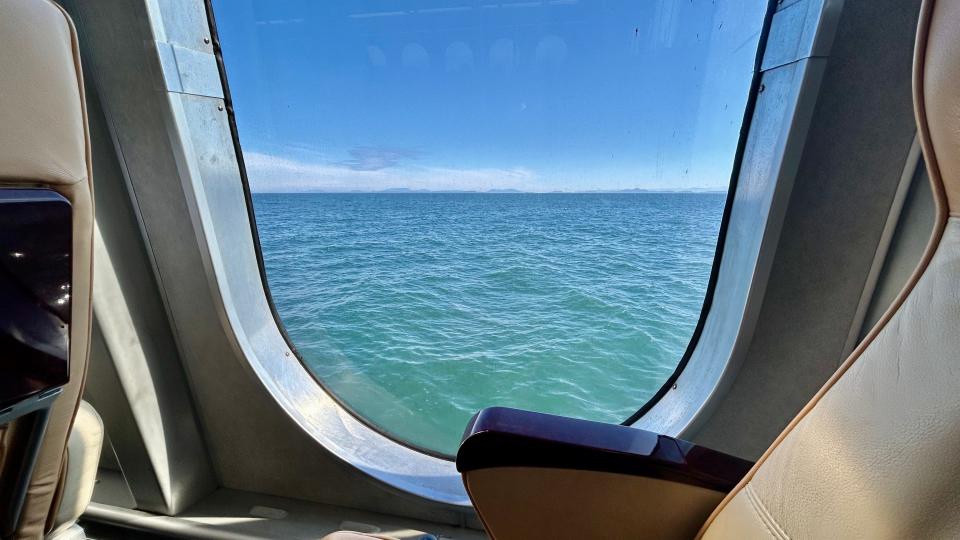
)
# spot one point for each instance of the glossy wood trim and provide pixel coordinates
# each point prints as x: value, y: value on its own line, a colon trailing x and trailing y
x: 503, y: 437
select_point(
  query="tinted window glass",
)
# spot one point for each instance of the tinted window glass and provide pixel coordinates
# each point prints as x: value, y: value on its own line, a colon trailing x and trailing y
x: 464, y: 204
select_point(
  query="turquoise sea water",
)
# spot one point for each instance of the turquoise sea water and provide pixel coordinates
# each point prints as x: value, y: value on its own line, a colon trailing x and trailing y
x: 419, y: 309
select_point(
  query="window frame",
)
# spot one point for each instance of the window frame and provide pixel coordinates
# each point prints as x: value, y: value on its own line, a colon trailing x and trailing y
x: 708, y: 293
x: 780, y: 182
x: 724, y: 220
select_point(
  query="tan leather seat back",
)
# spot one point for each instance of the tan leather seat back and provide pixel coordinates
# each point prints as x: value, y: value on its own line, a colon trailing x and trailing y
x: 876, y: 453
x: 44, y: 142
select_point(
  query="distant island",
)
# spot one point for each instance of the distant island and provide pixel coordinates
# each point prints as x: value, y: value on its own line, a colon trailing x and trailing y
x: 416, y: 191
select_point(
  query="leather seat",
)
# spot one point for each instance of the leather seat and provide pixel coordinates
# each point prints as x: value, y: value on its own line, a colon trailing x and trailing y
x: 79, y: 474
x: 44, y: 143
x: 876, y: 453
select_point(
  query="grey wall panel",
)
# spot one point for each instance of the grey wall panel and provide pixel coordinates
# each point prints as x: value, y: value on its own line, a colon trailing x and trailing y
x: 852, y: 161
x: 914, y: 227
x: 136, y: 378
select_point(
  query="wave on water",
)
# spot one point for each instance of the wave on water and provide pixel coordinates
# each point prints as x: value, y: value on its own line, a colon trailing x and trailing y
x: 417, y: 310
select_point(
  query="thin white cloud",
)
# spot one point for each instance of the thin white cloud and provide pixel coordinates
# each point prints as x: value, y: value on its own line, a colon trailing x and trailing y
x: 374, y: 158
x: 269, y: 173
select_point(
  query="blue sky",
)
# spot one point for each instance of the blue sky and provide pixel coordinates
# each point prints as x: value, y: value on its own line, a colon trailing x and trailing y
x: 565, y: 95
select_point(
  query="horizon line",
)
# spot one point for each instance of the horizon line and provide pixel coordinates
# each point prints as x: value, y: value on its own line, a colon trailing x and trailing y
x: 413, y: 191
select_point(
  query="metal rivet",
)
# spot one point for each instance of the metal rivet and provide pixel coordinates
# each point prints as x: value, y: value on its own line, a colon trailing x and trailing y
x: 219, y: 107
x: 763, y: 87
x: 674, y: 386
x: 286, y: 353
x: 206, y: 40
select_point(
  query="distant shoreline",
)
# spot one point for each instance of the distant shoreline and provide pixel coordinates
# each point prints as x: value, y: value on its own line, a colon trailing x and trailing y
x: 501, y: 192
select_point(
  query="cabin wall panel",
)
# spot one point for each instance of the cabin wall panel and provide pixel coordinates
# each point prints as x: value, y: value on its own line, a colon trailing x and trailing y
x: 914, y: 224
x: 136, y: 380
x: 135, y: 377
x: 859, y: 139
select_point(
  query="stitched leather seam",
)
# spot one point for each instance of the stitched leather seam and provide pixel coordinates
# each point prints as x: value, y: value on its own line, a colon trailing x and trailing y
x: 765, y: 517
x: 759, y: 514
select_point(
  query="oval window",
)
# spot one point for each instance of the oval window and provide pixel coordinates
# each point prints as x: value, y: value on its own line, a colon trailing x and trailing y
x: 469, y: 204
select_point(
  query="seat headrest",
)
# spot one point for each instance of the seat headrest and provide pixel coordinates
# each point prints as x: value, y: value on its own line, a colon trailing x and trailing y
x: 936, y: 86
x: 41, y: 107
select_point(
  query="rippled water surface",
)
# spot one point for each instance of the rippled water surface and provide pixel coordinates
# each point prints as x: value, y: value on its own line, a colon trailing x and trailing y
x: 420, y: 309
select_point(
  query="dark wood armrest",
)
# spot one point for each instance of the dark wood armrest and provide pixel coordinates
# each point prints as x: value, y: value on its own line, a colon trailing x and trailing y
x: 502, y: 437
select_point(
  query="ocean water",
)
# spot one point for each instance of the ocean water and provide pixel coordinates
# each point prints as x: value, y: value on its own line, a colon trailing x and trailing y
x: 418, y: 309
